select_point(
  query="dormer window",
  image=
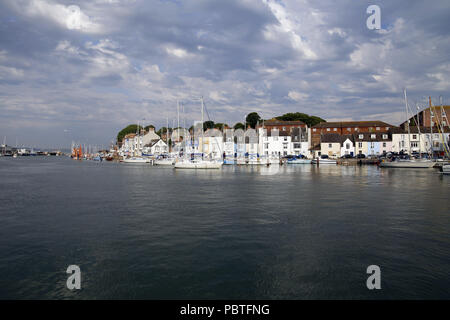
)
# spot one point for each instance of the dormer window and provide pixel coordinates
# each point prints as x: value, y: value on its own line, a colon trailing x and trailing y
x: 328, y: 129
x: 361, y: 136
x: 372, y: 136
x: 349, y: 129
x: 385, y: 136
x: 335, y: 129
x: 378, y: 128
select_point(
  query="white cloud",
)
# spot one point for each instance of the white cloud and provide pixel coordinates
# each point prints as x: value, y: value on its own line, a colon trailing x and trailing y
x: 297, y: 96
x: 70, y: 17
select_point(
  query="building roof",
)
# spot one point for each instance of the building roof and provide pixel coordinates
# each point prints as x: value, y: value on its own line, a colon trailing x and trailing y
x: 352, y: 124
x: 399, y: 130
x: 275, y: 122
x: 278, y: 133
x: 331, y: 138
x: 130, y: 135
x: 367, y: 136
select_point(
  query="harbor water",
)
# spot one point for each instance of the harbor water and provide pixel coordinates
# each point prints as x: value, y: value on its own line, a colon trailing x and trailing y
x: 294, y: 232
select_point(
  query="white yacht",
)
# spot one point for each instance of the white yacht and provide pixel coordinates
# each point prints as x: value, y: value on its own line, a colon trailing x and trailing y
x: 136, y: 160
x: 198, y: 164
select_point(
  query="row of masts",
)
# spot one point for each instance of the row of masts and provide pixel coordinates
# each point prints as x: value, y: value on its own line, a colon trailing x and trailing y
x: 439, y: 124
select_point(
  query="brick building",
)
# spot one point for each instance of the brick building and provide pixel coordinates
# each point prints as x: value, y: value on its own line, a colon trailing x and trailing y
x: 345, y: 128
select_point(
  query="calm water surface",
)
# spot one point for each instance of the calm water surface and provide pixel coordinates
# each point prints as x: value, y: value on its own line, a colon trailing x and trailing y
x: 141, y: 232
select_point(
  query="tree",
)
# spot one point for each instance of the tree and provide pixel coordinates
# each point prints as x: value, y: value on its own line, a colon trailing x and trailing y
x: 208, y: 125
x: 239, y: 125
x: 220, y: 126
x: 298, y: 116
x: 132, y: 128
x: 252, y: 119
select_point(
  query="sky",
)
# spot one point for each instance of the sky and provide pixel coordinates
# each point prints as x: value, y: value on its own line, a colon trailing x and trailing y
x: 82, y: 70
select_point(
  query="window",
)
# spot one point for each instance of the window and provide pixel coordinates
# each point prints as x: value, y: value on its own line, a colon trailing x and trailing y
x: 266, y: 146
x: 413, y: 144
x: 372, y: 136
x: 378, y: 128
x: 285, y: 138
x: 414, y: 136
x: 328, y: 129
x: 297, y: 145
x: 372, y: 145
x: 314, y: 129
x: 385, y: 136
x: 360, y: 145
x: 335, y: 129
x: 384, y: 144
x: 285, y: 146
x: 361, y: 136
x: 329, y: 145
x: 347, y: 146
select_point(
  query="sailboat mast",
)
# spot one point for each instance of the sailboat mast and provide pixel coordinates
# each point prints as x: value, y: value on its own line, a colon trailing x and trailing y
x: 407, y: 119
x: 203, y: 140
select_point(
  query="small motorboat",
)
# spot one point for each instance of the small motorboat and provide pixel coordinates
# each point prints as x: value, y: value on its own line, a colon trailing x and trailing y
x: 299, y: 160
x: 324, y: 159
x: 136, y: 160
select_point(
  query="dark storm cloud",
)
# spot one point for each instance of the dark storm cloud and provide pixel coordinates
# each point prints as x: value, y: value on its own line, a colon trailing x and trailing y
x: 127, y: 60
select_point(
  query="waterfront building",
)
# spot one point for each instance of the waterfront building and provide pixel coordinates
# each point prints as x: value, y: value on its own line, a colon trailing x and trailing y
x: 423, y: 118
x: 347, y: 145
x: 345, y: 128
x: 300, y: 141
x: 127, y: 147
x: 286, y: 126
x: 155, y: 147
x: 229, y: 145
x: 211, y: 143
x: 373, y: 144
x: 422, y: 140
x: 330, y: 144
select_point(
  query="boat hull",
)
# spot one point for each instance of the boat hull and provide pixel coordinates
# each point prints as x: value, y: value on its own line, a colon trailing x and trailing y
x: 136, y: 160
x: 198, y: 165
x: 300, y: 161
x: 408, y: 164
x: 164, y: 162
x: 324, y: 161
x: 446, y: 169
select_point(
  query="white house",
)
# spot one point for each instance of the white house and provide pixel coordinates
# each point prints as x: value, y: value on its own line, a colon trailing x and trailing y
x: 348, y: 145
x: 330, y: 145
x: 155, y: 147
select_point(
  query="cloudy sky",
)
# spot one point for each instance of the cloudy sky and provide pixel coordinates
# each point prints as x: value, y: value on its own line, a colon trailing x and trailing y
x: 82, y: 70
